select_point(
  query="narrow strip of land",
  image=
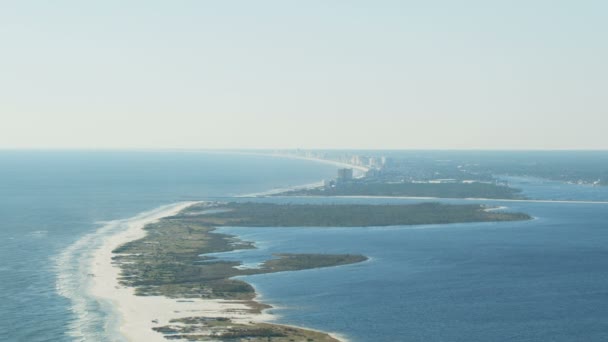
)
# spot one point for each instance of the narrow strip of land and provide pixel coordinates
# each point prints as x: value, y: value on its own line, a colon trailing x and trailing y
x: 467, y: 199
x: 419, y: 189
x: 170, y: 262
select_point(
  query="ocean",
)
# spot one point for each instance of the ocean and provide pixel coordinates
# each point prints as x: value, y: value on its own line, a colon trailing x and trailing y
x: 56, y: 206
x: 539, y: 280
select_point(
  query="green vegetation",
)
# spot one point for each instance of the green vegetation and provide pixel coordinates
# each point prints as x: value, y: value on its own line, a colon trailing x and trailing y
x: 347, y: 215
x: 170, y: 260
x: 166, y: 262
x: 212, y: 329
x: 440, y: 190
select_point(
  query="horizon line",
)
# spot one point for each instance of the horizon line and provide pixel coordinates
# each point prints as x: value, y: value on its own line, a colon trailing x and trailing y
x: 236, y: 149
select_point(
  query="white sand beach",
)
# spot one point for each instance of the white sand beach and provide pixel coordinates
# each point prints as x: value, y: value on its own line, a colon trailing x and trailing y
x: 281, y: 190
x: 139, y: 314
x: 358, y: 172
x: 495, y: 208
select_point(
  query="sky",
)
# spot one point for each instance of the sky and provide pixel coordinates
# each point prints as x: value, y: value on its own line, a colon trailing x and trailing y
x: 378, y: 74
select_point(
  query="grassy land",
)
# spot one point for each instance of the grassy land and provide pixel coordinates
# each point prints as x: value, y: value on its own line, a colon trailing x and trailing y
x: 168, y: 261
x: 351, y: 215
x: 441, y: 190
x: 210, y: 329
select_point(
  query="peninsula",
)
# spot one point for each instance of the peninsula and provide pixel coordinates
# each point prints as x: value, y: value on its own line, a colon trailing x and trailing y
x: 434, y: 190
x: 168, y: 262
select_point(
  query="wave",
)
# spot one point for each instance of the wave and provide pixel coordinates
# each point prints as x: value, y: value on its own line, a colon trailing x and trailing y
x: 38, y: 234
x: 93, y: 320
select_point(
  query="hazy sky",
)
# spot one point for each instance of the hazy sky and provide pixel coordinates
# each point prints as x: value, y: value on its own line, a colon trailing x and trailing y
x: 308, y: 73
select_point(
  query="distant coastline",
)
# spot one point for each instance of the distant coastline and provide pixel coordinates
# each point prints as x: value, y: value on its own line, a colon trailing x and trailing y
x: 360, y: 172
x: 467, y: 199
x: 359, y: 168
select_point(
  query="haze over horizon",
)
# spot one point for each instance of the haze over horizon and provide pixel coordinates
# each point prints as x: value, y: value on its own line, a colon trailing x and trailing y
x: 285, y: 74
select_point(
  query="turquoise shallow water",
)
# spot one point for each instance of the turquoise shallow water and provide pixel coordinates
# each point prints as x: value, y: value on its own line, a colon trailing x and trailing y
x: 55, y: 207
x: 540, y: 280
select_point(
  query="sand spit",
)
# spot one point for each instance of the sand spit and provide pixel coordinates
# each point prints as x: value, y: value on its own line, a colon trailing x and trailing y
x: 138, y: 315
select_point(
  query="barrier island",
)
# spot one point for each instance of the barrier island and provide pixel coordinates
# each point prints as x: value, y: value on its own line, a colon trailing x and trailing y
x: 171, y: 259
x: 435, y: 190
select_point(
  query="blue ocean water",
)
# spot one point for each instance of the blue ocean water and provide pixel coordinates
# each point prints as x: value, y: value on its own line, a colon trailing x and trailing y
x: 539, y: 280
x: 55, y: 206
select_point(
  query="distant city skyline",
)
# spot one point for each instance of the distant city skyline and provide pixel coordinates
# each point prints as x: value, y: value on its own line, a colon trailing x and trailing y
x: 309, y: 74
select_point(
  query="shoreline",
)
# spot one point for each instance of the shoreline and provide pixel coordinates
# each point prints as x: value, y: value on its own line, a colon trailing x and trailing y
x: 289, y: 156
x: 455, y: 198
x: 282, y: 190
x: 362, y: 169
x: 137, y: 316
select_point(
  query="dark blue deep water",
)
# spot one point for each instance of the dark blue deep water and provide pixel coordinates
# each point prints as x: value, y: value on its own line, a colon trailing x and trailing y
x: 539, y: 280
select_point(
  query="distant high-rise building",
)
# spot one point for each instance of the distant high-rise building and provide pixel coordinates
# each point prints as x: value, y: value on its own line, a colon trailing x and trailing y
x: 375, y: 162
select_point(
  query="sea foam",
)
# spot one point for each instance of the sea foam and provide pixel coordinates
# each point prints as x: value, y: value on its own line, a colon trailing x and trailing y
x: 92, y: 319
